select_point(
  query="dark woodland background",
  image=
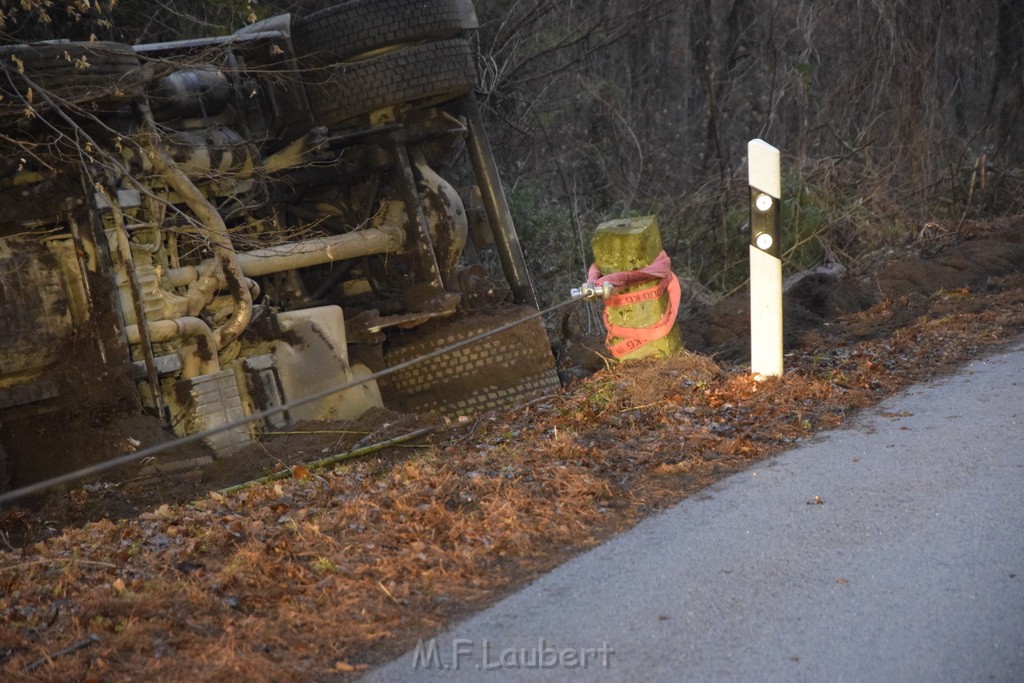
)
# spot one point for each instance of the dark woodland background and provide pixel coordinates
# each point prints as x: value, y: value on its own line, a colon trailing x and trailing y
x: 895, y: 118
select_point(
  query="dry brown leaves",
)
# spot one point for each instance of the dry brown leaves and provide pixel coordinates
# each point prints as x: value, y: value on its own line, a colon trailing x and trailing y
x: 318, y: 577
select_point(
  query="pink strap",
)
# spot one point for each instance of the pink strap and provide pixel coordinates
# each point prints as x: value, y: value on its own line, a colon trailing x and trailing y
x: 634, y: 338
x: 659, y: 269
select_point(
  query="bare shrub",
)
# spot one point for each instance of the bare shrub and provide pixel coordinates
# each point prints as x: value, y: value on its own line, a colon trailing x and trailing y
x: 882, y: 110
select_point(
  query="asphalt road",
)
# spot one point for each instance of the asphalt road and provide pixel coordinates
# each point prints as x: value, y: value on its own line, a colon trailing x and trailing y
x: 911, y: 568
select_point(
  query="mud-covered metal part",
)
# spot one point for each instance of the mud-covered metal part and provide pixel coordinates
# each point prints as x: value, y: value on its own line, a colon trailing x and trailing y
x: 35, y: 312
x: 126, y: 264
x: 215, y: 153
x: 264, y: 390
x: 216, y: 232
x: 99, y: 332
x: 510, y: 251
x: 446, y: 218
x: 493, y: 373
x: 201, y: 357
x: 312, y: 355
x: 321, y: 250
x: 209, y: 401
x: 427, y: 271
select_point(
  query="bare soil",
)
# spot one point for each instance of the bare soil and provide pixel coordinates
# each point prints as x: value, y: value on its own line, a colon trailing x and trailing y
x: 324, y: 574
x: 968, y: 259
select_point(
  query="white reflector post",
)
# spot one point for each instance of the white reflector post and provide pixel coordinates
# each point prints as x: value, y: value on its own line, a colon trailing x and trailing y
x: 765, y: 259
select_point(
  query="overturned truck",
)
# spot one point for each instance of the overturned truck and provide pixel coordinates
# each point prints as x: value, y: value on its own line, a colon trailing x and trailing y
x: 202, y: 230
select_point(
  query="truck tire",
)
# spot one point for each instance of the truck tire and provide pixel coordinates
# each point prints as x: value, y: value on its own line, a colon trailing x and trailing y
x: 493, y: 373
x: 415, y: 74
x: 69, y: 72
x: 359, y: 26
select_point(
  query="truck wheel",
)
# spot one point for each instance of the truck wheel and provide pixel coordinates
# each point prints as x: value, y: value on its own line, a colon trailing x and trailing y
x: 69, y: 72
x: 492, y: 373
x: 416, y: 74
x: 359, y: 26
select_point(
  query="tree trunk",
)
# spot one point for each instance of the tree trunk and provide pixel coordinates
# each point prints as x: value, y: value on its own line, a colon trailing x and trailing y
x: 1007, y: 98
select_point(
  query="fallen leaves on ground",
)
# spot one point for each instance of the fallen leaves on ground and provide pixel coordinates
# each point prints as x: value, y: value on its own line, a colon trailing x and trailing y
x: 317, y: 577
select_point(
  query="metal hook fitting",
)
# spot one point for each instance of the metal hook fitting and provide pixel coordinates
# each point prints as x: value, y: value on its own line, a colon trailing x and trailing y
x: 589, y: 290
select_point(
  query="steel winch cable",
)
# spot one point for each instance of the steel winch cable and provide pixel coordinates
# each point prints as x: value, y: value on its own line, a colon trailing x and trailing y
x: 580, y: 294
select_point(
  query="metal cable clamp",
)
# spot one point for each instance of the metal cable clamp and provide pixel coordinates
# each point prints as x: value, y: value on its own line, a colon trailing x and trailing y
x: 589, y: 290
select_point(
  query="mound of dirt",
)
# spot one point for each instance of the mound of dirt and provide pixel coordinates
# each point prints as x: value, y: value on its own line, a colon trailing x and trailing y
x: 817, y: 300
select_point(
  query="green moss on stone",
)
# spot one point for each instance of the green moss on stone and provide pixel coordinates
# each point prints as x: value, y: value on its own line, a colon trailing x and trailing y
x: 632, y: 244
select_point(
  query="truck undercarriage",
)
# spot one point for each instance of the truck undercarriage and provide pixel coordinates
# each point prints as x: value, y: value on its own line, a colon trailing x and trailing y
x: 204, y: 230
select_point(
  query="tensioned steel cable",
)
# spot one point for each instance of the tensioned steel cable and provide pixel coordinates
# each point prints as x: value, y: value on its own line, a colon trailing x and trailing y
x: 99, y: 468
